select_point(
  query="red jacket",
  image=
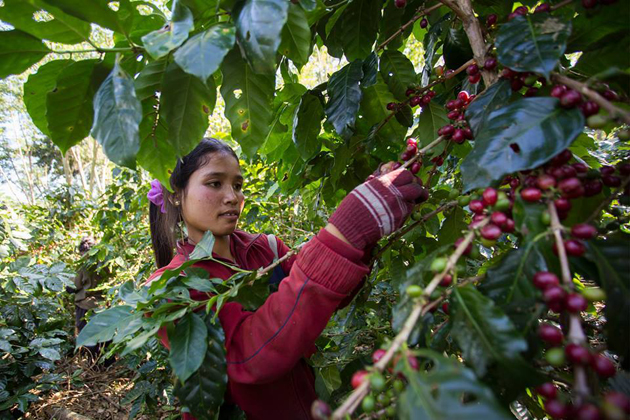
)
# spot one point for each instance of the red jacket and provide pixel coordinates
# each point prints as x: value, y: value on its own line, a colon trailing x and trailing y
x: 268, y: 377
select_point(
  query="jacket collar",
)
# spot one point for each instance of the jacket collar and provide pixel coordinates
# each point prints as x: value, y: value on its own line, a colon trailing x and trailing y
x: 240, y: 243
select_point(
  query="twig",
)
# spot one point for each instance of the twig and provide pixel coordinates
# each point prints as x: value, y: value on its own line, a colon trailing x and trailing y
x: 607, y: 201
x: 420, y: 308
x: 561, y: 4
x: 279, y: 261
x: 422, y: 151
x: 576, y: 333
x: 592, y: 95
x: 418, y: 15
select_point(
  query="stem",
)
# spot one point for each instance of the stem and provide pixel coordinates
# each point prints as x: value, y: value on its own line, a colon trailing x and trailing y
x: 421, y: 307
x: 418, y: 15
x: 593, y: 95
x: 279, y: 261
x: 576, y: 333
x: 422, y: 151
x: 561, y: 4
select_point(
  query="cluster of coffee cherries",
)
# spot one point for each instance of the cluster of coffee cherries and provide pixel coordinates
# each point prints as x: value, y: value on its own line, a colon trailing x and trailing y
x: 414, y: 100
x: 494, y: 203
x: 570, y: 98
x: 458, y: 131
x: 519, y: 80
x: 473, y: 71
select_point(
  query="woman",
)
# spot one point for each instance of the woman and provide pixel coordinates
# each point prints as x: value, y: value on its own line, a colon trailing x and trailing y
x: 268, y: 377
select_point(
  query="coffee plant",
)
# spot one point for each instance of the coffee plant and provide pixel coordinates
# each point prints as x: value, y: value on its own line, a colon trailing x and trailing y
x: 507, y: 294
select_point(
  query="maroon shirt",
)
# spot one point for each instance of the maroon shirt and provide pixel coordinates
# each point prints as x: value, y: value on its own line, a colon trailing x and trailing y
x: 268, y: 377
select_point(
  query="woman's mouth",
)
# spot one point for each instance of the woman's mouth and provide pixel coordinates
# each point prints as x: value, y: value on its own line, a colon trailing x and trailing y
x: 230, y: 215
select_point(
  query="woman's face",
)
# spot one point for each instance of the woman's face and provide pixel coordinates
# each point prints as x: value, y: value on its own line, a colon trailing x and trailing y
x: 213, y: 199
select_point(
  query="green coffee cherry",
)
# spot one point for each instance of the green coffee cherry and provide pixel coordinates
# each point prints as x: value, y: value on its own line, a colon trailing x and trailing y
x: 454, y: 194
x: 416, y: 215
x: 596, y: 121
x: 414, y: 291
x: 502, y: 204
x: 391, y: 411
x: 545, y: 218
x: 383, y: 399
x: 438, y: 265
x: 368, y: 404
x: 463, y: 200
x: 555, y: 357
x: 399, y: 386
x: 435, y: 295
x: 377, y: 381
x: 594, y: 294
x: 474, y: 253
x: 487, y: 242
x: 624, y: 135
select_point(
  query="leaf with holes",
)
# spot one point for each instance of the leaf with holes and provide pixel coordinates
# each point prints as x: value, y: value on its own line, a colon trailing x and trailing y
x: 70, y: 111
x: 36, y: 89
x: 442, y: 392
x: 344, y: 97
x: 398, y: 73
x: 296, y: 37
x: 162, y: 41
x: 19, y: 51
x: 540, y: 128
x: 307, y: 124
x: 117, y: 116
x: 186, y: 103
x: 202, y: 54
x: 258, y: 30
x: 248, y: 97
x: 533, y: 43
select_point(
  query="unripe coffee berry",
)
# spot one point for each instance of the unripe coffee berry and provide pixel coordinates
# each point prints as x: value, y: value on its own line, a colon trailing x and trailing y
x: 594, y: 294
x: 438, y: 265
x: 377, y: 381
x: 555, y: 357
x: 414, y: 291
x: 368, y: 404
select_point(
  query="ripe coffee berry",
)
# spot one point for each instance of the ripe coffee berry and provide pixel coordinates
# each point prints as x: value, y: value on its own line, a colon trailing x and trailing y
x: 490, y: 63
x: 491, y: 20
x: 415, y: 167
x: 358, y: 378
x: 575, y: 303
x: 543, y: 280
x: 589, y: 108
x: 561, y: 158
x: 490, y: 196
x: 607, y: 170
x: 558, y: 90
x: 458, y: 136
x: 445, y: 307
x: 550, y: 334
x: 472, y: 69
x: 587, y: 412
x: 424, y: 23
x: 415, y: 100
x: 556, y: 409
x: 603, y: 366
x: 426, y: 99
x: 490, y: 232
x: 446, y: 130
x: 547, y: 390
x: 476, y: 206
x: 400, y: 3
x: 545, y: 7
x: 583, y: 231
x: 509, y: 226
x: 452, y: 115
x: 611, y: 181
x: 570, y: 99
x: 446, y: 281
x: 392, y: 106
x: 468, y: 248
x: 378, y: 355
x: 464, y: 96
x: 531, y: 194
x: 516, y: 84
x: 571, y: 187
x: 562, y: 204
x: 498, y: 218
x: 474, y: 79
x: 577, y: 354
x: 619, y: 400
x: 545, y: 182
x: 554, y: 298
x: 574, y: 247
x: 405, y: 156
x: 589, y: 4
x: 611, y: 95
x: 410, y: 91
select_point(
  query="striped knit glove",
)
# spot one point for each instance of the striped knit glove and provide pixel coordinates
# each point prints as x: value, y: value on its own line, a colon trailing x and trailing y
x: 378, y: 207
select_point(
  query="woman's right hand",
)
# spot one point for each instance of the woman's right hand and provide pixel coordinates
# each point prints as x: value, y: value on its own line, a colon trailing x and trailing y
x: 378, y: 207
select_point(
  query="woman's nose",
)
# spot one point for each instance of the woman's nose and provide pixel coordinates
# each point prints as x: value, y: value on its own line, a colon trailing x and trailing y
x: 230, y: 195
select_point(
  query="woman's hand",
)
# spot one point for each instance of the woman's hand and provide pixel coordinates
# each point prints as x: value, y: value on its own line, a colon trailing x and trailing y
x: 378, y: 207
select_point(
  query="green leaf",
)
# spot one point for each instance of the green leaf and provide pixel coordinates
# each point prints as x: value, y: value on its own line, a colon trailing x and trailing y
x: 258, y: 30
x: 97, y: 12
x: 204, y: 248
x: 344, y: 97
x: 374, y: 111
x: 19, y: 51
x: 69, y: 106
x: 453, y: 226
x: 188, y: 345
x: 492, y: 98
x: 370, y: 70
x: 357, y: 28
x: 538, y: 126
x: 248, y: 97
x: 296, y: 37
x: 483, y: 332
x: 331, y: 377
x: 62, y: 28
x: 398, y: 73
x: 307, y: 124
x: 610, y: 256
x: 593, y: 30
x: 36, y: 89
x: 203, y: 392
x: 186, y: 103
x: 456, y: 48
x: 161, y: 42
x: 103, y: 326
x: 432, y: 118
x: 117, y: 116
x: 404, y: 115
x: 443, y: 392
x: 202, y: 54
x: 532, y: 43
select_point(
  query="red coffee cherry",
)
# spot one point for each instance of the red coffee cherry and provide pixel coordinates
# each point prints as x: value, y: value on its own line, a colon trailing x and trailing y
x: 543, y: 280
x: 415, y: 167
x: 446, y: 130
x: 445, y: 308
x: 491, y: 20
x: 545, y: 182
x: 424, y: 23
x: 509, y: 226
x: 587, y: 412
x: 580, y: 167
x: 558, y: 90
x: 452, y: 115
x: 400, y: 3
x: 589, y: 4
x: 410, y: 91
x: 490, y: 63
x: 554, y: 298
x: 544, y: 7
x: 458, y: 136
x: 570, y: 99
x: 603, y: 366
x: 551, y: 335
x: 611, y: 181
x: 415, y: 100
x: 378, y: 355
x: 574, y: 247
x: 446, y: 281
x: 619, y: 400
x: 531, y: 194
x: 575, y: 303
x: 562, y: 204
x: 472, y: 70
x: 498, y: 218
x: 577, y: 354
x: 556, y: 409
x: 476, y: 206
x: 583, y: 231
x: 592, y: 187
x: 571, y: 187
x: 611, y: 95
x: 490, y: 196
x: 547, y: 390
x: 468, y: 249
x: 490, y: 232
x: 358, y: 378
x: 607, y: 170
x: 589, y: 108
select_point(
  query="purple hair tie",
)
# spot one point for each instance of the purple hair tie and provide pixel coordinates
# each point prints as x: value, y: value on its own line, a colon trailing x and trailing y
x: 156, y: 196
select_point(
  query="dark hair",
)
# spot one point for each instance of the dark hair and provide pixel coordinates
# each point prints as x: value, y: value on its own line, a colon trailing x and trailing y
x: 86, y: 243
x: 164, y: 226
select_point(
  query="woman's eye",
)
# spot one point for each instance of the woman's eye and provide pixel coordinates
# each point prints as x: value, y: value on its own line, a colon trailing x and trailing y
x: 214, y: 184
x: 238, y: 187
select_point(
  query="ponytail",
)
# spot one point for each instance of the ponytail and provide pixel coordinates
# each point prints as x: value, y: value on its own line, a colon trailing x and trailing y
x: 165, y: 226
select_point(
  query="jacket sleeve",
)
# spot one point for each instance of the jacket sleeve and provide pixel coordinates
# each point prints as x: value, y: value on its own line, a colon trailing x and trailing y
x: 265, y: 345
